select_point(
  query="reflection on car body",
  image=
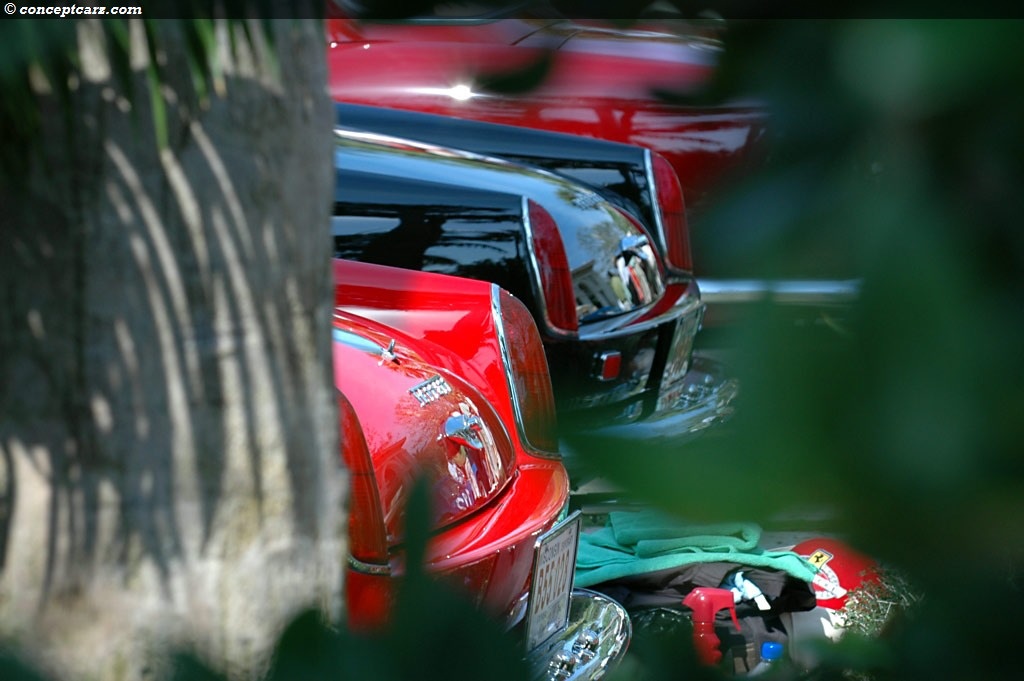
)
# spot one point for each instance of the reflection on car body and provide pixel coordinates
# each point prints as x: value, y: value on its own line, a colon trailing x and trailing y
x: 608, y: 308
x: 457, y: 392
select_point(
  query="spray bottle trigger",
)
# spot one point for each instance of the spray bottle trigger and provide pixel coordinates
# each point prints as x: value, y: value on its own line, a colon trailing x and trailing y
x: 732, y: 613
x: 705, y: 602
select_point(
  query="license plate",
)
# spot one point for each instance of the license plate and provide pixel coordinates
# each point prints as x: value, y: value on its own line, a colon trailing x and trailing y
x: 554, y: 565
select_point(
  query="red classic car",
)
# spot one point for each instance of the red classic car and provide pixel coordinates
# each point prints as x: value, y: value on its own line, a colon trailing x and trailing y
x: 601, y: 82
x: 445, y: 378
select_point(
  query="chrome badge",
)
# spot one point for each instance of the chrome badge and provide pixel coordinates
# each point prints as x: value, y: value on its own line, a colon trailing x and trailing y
x: 464, y: 430
x: 430, y: 390
x: 388, y: 354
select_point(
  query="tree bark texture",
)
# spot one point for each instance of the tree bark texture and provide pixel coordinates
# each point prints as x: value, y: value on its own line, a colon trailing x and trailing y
x: 169, y: 468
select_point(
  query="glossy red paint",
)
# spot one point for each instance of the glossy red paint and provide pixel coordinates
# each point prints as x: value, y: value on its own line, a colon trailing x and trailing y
x: 434, y: 308
x: 502, y: 538
x: 492, y: 500
x: 601, y: 83
x: 672, y: 207
x: 506, y: 32
x: 410, y: 442
x: 488, y: 557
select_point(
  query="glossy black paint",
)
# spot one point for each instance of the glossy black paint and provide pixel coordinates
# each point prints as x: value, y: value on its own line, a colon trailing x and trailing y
x: 433, y: 227
x: 593, y: 232
x: 617, y: 171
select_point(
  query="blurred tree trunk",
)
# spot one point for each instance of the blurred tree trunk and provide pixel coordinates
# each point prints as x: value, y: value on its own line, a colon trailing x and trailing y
x: 169, y: 466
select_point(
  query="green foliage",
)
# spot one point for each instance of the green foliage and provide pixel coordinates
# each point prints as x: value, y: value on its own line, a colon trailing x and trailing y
x: 42, y: 48
x: 894, y: 159
x: 897, y: 159
x: 39, y: 58
x: 13, y: 668
x: 518, y: 80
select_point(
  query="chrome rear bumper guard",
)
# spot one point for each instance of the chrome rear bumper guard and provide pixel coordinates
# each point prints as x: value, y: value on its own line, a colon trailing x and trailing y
x: 706, y: 399
x: 706, y: 394
x: 592, y: 644
x: 784, y: 292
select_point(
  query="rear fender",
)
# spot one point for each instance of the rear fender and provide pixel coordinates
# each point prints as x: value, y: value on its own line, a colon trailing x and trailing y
x: 451, y: 316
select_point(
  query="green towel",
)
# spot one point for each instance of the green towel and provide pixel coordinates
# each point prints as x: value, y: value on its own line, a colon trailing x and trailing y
x: 645, y: 541
x: 638, y: 526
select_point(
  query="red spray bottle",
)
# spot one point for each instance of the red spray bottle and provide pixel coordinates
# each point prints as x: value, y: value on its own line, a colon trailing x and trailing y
x: 705, y: 602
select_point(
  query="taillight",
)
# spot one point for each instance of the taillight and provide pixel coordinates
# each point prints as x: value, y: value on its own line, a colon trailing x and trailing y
x: 526, y: 368
x: 367, y: 535
x: 672, y: 214
x: 553, y: 268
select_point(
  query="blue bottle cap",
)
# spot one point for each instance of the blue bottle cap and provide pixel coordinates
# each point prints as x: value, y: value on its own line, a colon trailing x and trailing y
x: 770, y: 650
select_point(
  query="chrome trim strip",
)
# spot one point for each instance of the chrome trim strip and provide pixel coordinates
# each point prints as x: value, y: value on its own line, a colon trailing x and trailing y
x: 655, y: 201
x: 517, y: 613
x: 784, y: 291
x: 506, y: 361
x: 368, y: 568
x: 686, y: 305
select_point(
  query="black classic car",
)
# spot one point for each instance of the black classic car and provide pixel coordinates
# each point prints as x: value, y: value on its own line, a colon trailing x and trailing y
x: 617, y: 323
x: 633, y: 178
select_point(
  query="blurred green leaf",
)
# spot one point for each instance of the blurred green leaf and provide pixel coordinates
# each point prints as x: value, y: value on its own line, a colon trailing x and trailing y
x: 432, y: 622
x: 517, y: 80
x: 13, y: 668
x: 188, y: 667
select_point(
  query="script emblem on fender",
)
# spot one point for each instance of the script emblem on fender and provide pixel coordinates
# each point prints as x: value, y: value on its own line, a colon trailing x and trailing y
x: 430, y: 390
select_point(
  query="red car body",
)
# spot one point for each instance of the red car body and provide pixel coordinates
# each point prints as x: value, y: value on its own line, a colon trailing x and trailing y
x: 445, y: 378
x: 601, y: 83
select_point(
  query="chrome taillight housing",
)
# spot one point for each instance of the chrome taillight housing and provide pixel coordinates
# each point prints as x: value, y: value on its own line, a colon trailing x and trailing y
x: 670, y: 213
x: 526, y: 370
x: 547, y: 253
x: 646, y: 265
x: 367, y: 533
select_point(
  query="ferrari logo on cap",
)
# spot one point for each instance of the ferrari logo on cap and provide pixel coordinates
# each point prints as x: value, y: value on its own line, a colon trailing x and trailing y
x: 819, y: 558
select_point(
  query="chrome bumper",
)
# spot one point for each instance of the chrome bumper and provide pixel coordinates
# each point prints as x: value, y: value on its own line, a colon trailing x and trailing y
x: 785, y: 292
x: 590, y: 646
x: 706, y: 399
